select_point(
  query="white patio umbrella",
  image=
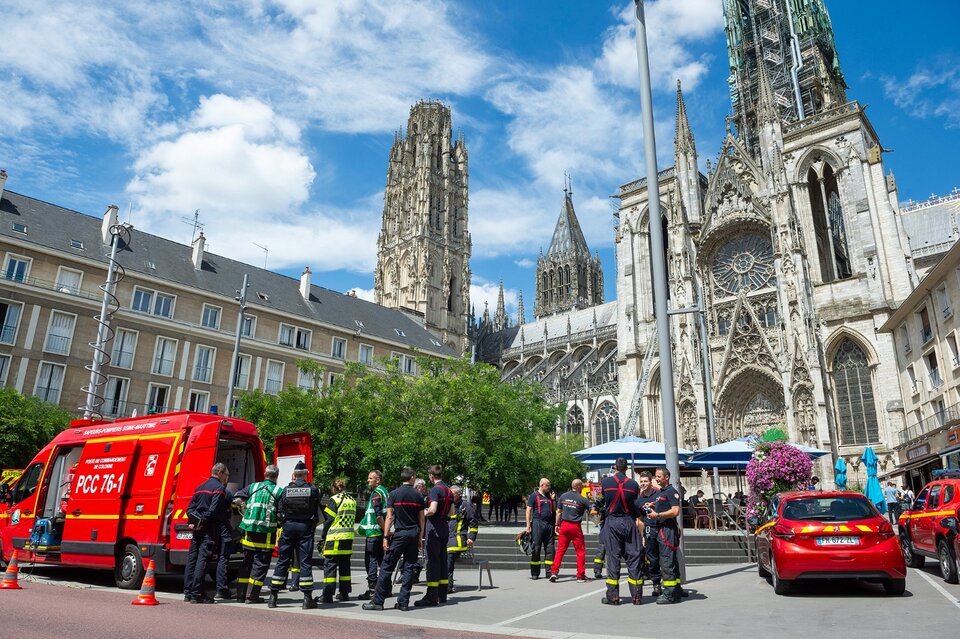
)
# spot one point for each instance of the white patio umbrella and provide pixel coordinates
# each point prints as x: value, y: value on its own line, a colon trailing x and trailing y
x: 639, y: 451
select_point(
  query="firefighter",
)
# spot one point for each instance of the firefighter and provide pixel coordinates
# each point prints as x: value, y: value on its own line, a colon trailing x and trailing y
x: 541, y: 518
x: 571, y: 508
x: 601, y: 553
x: 258, y: 528
x: 339, y: 513
x: 403, y: 537
x: 665, y: 511
x: 371, y: 528
x: 207, y: 509
x: 649, y: 531
x: 463, y: 531
x: 298, y: 510
x: 622, y: 539
x: 437, y: 533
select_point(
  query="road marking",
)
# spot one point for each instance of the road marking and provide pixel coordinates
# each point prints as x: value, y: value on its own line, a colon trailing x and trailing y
x: 548, y: 608
x: 943, y: 591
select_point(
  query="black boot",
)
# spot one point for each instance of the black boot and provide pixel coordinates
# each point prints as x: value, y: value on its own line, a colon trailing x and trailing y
x: 309, y: 603
x: 657, y: 590
x: 253, y: 595
x: 241, y: 592
x: 272, y: 599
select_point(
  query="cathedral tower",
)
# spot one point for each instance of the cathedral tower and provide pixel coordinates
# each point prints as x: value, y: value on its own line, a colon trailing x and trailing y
x: 423, y: 251
x: 567, y: 277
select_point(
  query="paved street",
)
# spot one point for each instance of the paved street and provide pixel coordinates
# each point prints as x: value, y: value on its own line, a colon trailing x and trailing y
x: 725, y: 601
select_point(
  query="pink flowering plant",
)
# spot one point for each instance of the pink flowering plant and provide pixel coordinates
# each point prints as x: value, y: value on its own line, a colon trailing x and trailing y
x: 774, y: 468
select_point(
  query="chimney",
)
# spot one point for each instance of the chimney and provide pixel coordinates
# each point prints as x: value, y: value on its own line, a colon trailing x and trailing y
x: 305, y: 283
x: 3, y: 181
x: 198, y: 251
x: 109, y: 219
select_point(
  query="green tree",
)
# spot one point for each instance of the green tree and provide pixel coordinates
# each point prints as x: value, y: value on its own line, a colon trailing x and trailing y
x: 27, y: 424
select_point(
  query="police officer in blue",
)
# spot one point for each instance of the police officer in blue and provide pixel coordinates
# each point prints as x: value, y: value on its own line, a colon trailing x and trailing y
x: 299, y: 512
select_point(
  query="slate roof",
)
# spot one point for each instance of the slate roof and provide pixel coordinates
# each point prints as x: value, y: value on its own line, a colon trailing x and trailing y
x: 932, y: 229
x: 567, y: 236
x: 55, y: 227
x: 556, y: 325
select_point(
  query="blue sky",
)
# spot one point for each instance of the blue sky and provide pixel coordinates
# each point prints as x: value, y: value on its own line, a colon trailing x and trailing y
x: 274, y: 118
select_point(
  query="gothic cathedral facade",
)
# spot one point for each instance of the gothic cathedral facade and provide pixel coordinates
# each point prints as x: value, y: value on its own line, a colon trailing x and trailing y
x: 423, y: 250
x: 792, y: 245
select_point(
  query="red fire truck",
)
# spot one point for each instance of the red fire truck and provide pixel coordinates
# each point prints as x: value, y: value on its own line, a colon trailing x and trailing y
x: 111, y: 495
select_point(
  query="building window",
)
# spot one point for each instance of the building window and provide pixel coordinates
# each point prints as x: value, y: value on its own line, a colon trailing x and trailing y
x: 158, y: 396
x: 248, y: 328
x: 723, y: 326
x: 203, y: 364
x: 142, y: 300
x: 943, y: 302
x: 905, y: 339
x: 124, y: 347
x: 49, y: 382
x: 409, y: 364
x: 77, y: 244
x: 933, y: 367
x: 954, y: 353
x: 606, y: 424
x: 400, y: 333
x: 199, y: 401
x: 307, y: 380
x: 19, y: 227
x: 115, y: 396
x: 68, y: 280
x: 339, y: 348
x: 768, y: 317
x: 829, y: 226
x: 332, y: 379
x: 210, y: 318
x: 303, y: 339
x: 241, y: 377
x: 575, y: 421
x: 287, y: 334
x: 17, y: 268
x: 274, y: 381
x: 366, y: 354
x: 164, y: 355
x: 9, y: 321
x: 4, y: 368
x: 926, y: 331
x: 152, y: 302
x: 912, y: 376
x: 856, y: 407
x: 163, y: 306
x: 60, y: 333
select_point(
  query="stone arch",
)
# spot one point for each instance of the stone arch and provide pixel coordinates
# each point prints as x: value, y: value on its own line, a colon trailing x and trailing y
x: 855, y: 399
x: 835, y: 338
x: 751, y: 401
x: 575, y: 423
x: 810, y: 156
x: 605, y: 423
x: 606, y: 347
x: 532, y: 363
x: 509, y: 367
x: 581, y: 353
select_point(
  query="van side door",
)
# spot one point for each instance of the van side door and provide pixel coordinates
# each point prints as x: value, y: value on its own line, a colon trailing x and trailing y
x: 290, y: 449
x: 17, y: 522
x: 199, y: 456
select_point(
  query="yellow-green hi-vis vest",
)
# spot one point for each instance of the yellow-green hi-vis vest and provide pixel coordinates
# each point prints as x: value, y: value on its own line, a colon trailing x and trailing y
x: 339, y: 538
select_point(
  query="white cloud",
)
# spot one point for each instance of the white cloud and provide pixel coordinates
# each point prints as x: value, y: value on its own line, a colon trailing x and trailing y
x: 487, y: 293
x: 525, y: 262
x: 928, y: 92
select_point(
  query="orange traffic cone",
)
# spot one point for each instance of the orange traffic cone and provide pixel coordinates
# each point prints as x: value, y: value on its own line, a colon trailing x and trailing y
x: 10, y: 577
x: 147, y: 596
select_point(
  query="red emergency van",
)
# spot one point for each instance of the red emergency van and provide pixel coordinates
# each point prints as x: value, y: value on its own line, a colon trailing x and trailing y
x: 113, y: 494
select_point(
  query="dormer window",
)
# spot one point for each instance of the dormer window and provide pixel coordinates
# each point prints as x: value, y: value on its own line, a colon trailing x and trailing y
x: 77, y: 244
x: 19, y: 228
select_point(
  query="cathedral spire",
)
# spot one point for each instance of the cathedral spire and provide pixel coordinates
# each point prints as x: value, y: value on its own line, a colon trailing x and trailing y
x: 500, y: 319
x: 683, y: 141
x: 766, y: 102
x: 567, y: 235
x: 521, y: 320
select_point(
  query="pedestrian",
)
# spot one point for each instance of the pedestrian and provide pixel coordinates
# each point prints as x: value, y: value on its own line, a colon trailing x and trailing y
x: 892, y: 497
x: 299, y: 512
x: 601, y: 553
x: 514, y: 507
x: 464, y: 527
x: 476, y: 500
x: 339, y: 514
x: 437, y: 532
x: 664, y: 515
x: 650, y: 567
x: 908, y: 497
x: 572, y: 505
x: 206, y: 511
x: 371, y: 528
x: 493, y: 514
x: 621, y: 535
x: 403, y: 536
x: 540, y: 524
x: 258, y: 528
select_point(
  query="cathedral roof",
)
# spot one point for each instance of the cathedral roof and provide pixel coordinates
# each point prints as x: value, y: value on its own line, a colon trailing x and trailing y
x: 556, y: 325
x: 932, y: 226
x: 567, y: 236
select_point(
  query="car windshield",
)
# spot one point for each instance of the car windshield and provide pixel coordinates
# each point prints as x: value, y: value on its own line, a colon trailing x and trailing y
x: 828, y: 509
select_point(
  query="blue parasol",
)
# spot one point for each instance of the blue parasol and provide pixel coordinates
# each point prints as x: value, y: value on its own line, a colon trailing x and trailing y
x: 840, y: 474
x: 873, y: 491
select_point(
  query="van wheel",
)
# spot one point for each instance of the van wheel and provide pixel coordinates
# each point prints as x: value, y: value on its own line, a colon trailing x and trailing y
x: 948, y: 565
x: 913, y: 560
x: 129, y: 571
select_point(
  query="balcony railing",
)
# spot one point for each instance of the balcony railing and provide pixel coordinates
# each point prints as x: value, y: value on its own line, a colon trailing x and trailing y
x: 51, y: 286
x: 947, y: 416
x: 57, y: 344
x: 936, y: 381
x: 202, y: 374
x: 926, y: 334
x: 7, y: 333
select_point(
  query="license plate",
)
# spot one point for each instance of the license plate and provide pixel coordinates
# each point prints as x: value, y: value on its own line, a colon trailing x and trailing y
x: 185, y: 535
x: 838, y: 541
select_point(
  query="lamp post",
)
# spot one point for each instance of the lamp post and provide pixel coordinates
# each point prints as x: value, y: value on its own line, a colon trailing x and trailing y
x: 241, y: 315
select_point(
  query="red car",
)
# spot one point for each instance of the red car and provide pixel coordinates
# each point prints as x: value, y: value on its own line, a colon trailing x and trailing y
x: 828, y: 535
x: 929, y: 527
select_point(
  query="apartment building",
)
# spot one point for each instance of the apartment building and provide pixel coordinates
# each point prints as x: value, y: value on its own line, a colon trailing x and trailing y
x: 175, y: 318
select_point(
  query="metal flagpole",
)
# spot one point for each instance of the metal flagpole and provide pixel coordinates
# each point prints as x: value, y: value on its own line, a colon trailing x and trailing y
x: 242, y: 298
x: 658, y: 253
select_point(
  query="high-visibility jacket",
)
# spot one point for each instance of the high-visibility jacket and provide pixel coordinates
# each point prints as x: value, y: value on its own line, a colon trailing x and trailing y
x: 463, y: 526
x: 341, y: 513
x: 376, y: 504
x: 260, y: 513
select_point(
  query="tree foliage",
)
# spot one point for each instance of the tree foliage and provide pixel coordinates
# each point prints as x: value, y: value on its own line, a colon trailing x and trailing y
x: 492, y: 435
x: 27, y: 424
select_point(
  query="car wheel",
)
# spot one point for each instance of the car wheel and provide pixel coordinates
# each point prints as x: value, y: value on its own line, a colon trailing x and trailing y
x: 913, y: 560
x: 895, y: 586
x: 948, y: 565
x: 129, y: 570
x: 780, y: 586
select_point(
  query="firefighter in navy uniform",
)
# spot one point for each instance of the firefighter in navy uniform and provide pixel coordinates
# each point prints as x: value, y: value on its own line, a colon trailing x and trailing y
x: 437, y: 533
x: 541, y: 519
x: 463, y: 531
x: 339, y: 514
x: 649, y: 531
x: 299, y: 512
x: 598, y: 557
x: 621, y: 537
x: 207, y: 510
x: 665, y: 512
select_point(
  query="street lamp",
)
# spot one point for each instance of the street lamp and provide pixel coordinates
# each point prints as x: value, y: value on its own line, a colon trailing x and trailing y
x: 241, y: 297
